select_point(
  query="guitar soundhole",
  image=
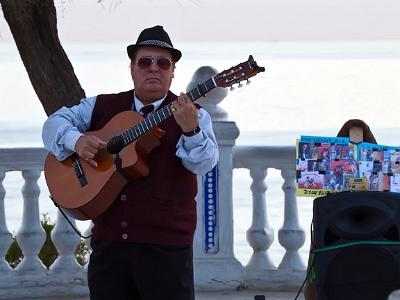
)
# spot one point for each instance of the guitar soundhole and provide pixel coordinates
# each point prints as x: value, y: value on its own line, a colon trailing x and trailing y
x: 115, y: 145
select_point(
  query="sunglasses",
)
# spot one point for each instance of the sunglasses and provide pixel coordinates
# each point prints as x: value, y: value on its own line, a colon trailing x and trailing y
x: 162, y: 62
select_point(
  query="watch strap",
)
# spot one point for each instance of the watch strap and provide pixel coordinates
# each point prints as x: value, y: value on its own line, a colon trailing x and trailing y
x: 193, y: 132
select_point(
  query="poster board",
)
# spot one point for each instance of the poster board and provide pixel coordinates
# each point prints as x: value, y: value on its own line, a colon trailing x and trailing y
x: 327, y: 165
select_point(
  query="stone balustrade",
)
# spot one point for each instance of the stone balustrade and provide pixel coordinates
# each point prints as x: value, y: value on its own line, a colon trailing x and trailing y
x: 31, y: 279
x: 215, y: 268
x: 261, y: 272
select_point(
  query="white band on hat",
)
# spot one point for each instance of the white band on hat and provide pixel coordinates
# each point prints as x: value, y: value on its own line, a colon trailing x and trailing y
x: 156, y: 43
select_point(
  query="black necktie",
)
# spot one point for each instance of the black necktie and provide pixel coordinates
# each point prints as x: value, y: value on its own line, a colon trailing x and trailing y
x: 145, y: 110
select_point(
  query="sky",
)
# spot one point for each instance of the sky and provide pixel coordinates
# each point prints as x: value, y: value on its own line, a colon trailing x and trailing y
x: 225, y: 20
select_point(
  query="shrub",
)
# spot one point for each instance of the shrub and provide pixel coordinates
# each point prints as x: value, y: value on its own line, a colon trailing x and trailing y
x: 48, y: 253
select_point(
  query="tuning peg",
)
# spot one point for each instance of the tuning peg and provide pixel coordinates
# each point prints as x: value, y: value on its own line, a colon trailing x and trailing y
x: 248, y: 81
x: 232, y: 88
x: 240, y: 85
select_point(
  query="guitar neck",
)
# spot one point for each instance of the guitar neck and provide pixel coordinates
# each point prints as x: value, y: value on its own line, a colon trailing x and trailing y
x: 153, y: 119
x: 202, y: 89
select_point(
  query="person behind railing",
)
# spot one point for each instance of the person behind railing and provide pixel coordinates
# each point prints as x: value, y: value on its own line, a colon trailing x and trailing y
x: 358, y: 131
x: 142, y: 244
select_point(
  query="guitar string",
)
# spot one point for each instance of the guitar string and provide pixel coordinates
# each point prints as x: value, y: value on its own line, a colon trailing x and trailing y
x: 166, y: 111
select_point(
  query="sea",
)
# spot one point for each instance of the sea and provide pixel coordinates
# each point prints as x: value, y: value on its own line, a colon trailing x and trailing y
x: 308, y: 88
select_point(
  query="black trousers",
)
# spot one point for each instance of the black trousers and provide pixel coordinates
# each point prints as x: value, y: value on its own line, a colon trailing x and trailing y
x: 132, y: 271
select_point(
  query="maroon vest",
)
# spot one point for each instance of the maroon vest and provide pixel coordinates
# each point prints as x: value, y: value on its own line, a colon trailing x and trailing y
x: 160, y: 207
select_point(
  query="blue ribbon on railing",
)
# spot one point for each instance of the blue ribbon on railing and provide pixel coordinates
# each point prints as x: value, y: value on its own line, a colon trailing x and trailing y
x: 210, y: 188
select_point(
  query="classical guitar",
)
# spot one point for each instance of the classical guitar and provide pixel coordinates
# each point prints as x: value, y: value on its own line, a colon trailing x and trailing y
x: 83, y: 191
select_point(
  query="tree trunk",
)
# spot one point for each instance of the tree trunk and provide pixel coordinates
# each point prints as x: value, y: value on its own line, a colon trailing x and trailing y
x: 33, y: 24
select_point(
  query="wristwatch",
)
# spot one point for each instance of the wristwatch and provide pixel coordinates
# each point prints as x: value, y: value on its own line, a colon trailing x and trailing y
x: 193, y: 132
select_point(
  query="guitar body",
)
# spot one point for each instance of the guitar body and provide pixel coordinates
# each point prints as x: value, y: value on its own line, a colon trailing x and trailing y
x: 101, y: 184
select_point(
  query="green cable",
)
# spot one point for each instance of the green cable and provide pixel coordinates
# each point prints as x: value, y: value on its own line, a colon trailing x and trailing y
x: 329, y: 248
x: 313, y: 277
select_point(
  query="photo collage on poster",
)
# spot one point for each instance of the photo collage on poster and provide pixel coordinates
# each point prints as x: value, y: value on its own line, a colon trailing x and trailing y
x: 330, y: 164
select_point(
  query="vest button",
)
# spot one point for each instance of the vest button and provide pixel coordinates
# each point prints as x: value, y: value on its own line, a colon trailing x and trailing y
x: 124, y: 224
x: 123, y: 197
x: 124, y: 236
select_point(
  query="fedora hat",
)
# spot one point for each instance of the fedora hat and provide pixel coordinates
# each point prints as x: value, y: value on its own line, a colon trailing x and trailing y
x: 155, y: 37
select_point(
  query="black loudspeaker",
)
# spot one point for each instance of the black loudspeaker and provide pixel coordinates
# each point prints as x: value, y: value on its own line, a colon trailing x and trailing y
x: 368, y: 268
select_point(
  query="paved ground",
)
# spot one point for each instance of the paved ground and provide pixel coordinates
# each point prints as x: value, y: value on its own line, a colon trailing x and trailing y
x: 236, y: 295
x: 233, y: 295
x: 226, y: 295
x: 246, y: 295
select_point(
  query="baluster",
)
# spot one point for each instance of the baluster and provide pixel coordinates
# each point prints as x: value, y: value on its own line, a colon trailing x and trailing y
x: 31, y: 236
x: 394, y: 295
x: 88, y: 232
x: 5, y: 235
x: 65, y: 239
x: 260, y: 235
x: 291, y: 236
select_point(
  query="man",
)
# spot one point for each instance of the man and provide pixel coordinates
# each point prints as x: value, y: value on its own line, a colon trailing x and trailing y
x: 142, y: 244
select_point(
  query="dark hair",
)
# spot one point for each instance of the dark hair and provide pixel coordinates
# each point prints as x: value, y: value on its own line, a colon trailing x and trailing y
x: 367, y: 134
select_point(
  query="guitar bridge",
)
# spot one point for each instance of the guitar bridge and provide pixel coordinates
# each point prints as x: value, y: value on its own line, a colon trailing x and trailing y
x: 76, y: 164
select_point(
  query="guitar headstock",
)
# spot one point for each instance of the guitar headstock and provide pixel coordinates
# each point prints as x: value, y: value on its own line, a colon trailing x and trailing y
x: 236, y: 74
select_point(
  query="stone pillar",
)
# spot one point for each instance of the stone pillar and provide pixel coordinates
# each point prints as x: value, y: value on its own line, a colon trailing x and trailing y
x: 215, y: 266
x: 213, y: 98
x: 395, y: 295
x: 65, y: 240
x: 88, y: 233
x: 31, y: 236
x: 219, y: 269
x: 69, y: 277
x: 260, y: 235
x: 7, y: 274
x: 291, y: 236
x: 5, y: 235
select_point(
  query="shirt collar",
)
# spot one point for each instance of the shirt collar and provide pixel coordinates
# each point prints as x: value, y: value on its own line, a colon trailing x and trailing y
x: 139, y: 104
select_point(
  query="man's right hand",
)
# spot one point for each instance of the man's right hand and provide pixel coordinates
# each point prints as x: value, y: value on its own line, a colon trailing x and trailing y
x: 87, y: 147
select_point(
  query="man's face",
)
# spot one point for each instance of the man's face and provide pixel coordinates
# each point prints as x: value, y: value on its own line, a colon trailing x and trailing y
x: 153, y: 81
